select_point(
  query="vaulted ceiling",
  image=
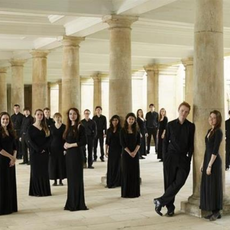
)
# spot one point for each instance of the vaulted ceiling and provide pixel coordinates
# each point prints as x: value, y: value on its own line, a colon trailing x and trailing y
x: 163, y: 33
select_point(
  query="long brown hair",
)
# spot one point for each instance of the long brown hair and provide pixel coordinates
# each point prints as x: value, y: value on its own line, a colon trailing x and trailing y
x: 43, y: 122
x: 160, y: 116
x: 139, y: 111
x: 69, y: 123
x: 10, y: 127
x: 218, y: 121
x: 134, y: 125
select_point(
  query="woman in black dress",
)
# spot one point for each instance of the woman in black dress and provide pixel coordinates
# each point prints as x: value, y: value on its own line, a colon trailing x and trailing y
x: 57, y: 169
x: 163, y: 120
x: 130, y: 141
x: 75, y: 137
x: 39, y: 141
x: 211, y: 189
x: 143, y: 131
x: 8, y: 191
x: 113, y: 151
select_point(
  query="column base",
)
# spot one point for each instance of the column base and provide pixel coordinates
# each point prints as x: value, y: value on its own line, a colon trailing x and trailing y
x: 191, y: 207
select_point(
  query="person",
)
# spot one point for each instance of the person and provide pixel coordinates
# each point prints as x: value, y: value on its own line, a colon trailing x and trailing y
x: 91, y: 132
x: 39, y: 140
x: 178, y: 148
x: 143, y: 131
x: 227, y: 143
x: 8, y: 190
x: 57, y: 169
x: 163, y: 120
x: 130, y: 141
x: 26, y: 123
x: 17, y: 118
x: 211, y: 189
x: 113, y: 152
x: 49, y: 120
x: 75, y: 139
x: 101, y: 132
x: 151, y: 123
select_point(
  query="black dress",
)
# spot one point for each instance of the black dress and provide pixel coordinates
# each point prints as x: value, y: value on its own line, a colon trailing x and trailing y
x: 39, y: 176
x: 57, y: 169
x: 114, y: 159
x: 74, y: 169
x: 8, y: 190
x: 143, y: 131
x: 211, y: 189
x: 161, y: 128
x: 130, y: 180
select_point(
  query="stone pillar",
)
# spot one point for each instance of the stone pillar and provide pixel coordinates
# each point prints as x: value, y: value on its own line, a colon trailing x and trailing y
x: 3, y: 89
x: 152, y: 86
x: 17, y: 83
x: 120, y: 81
x: 39, y: 79
x: 96, y: 90
x: 188, y: 65
x: 48, y: 94
x: 60, y: 96
x: 208, y: 89
x: 71, y: 96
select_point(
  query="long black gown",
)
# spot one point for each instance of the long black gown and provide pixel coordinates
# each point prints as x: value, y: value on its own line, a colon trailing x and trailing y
x: 39, y: 175
x: 74, y: 169
x: 143, y: 131
x: 211, y: 189
x: 161, y: 128
x: 57, y: 168
x: 8, y: 190
x: 130, y: 180
x: 114, y: 159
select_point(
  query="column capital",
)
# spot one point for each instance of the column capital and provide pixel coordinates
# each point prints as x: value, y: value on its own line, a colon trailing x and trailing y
x: 119, y: 21
x: 39, y: 53
x: 72, y: 41
x: 17, y: 62
x: 3, y: 69
x: 187, y: 62
x: 96, y: 76
x: 154, y: 67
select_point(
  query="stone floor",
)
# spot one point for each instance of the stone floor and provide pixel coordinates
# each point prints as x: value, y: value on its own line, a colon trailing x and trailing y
x: 107, y: 210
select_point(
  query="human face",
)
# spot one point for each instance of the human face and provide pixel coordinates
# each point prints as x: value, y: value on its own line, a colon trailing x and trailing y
x: 130, y: 120
x: 212, y: 119
x: 72, y: 115
x: 58, y: 119
x: 163, y: 112
x: 16, y: 109
x: 5, y: 121
x: 183, y: 112
x: 152, y: 108
x: 38, y: 116
x: 98, y: 111
x: 47, y: 113
x: 86, y: 114
x: 115, y: 122
x: 140, y: 113
x: 26, y: 113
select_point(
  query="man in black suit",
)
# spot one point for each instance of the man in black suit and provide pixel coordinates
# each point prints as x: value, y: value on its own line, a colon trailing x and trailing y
x: 227, y: 135
x: 178, y: 148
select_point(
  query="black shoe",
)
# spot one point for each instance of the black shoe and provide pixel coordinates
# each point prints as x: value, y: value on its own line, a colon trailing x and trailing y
x: 208, y: 216
x: 61, y: 184
x: 28, y: 163
x: 22, y: 163
x: 215, y: 216
x: 170, y: 213
x: 141, y: 157
x: 147, y: 152
x: 91, y: 167
x: 95, y: 159
x: 102, y: 159
x: 158, y: 206
x: 55, y: 184
x: 161, y: 160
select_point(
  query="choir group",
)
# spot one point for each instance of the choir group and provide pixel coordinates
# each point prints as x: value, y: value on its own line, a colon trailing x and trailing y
x: 56, y: 151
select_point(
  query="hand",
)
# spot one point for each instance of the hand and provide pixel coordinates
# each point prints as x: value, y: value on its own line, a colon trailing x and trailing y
x: 107, y: 154
x: 104, y: 135
x: 20, y: 139
x: 43, y: 151
x: 12, y: 161
x: 146, y: 135
x: 67, y: 145
x: 208, y: 171
x: 162, y: 136
x: 132, y: 154
x: 141, y: 135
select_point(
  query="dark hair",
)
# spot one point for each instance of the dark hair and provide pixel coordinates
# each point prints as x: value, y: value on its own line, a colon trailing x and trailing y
x: 218, y: 121
x: 57, y: 115
x: 111, y: 124
x: 9, y: 126
x: 98, y: 107
x: 68, y: 125
x: 46, y: 108
x: 87, y: 110
x: 186, y: 104
x: 151, y: 105
x: 134, y: 125
x: 43, y: 122
x: 26, y: 109
x: 229, y: 112
x: 142, y: 113
x: 160, y: 116
x: 17, y: 105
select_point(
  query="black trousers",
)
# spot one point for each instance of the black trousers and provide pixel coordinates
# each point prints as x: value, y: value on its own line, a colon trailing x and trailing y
x: 24, y: 149
x: 99, y: 137
x: 176, y: 171
x: 227, y: 150
x: 18, y: 145
x: 90, y: 151
x: 152, y: 132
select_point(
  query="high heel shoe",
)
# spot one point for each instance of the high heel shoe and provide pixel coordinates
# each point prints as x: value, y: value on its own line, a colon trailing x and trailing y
x: 215, y: 216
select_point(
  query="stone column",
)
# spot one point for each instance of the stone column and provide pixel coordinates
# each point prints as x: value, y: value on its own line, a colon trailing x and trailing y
x: 96, y: 90
x: 188, y: 65
x: 120, y: 84
x: 3, y: 89
x: 208, y: 89
x: 60, y: 96
x: 17, y: 83
x: 71, y: 96
x: 39, y: 79
x: 152, y: 86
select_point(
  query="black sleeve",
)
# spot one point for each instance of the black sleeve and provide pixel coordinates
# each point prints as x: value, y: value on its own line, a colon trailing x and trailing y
x: 165, y: 122
x: 166, y: 140
x: 138, y: 142
x: 30, y: 141
x: 105, y: 125
x: 218, y: 138
x: 107, y: 141
x: 94, y: 129
x: 81, y: 138
x: 191, y: 139
x: 122, y: 139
